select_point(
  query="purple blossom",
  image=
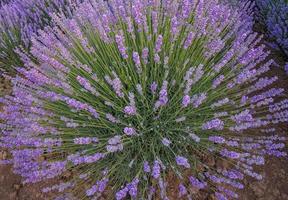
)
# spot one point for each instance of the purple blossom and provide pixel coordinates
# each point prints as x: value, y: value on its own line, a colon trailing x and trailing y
x: 116, y: 84
x: 182, y: 161
x: 114, y: 144
x: 182, y: 190
x: 130, y: 110
x: 218, y: 81
x: 228, y: 192
x: 115, y: 140
x: 85, y: 140
x: 198, y: 99
x: 98, y: 188
x: 220, y: 196
x: 189, y: 40
x: 86, y: 84
x: 121, y: 194
x: 153, y: 87
x: 233, y: 174
x: 230, y: 154
x: 157, y: 58
x: 186, y: 100
x: 197, y: 183
x: 174, y: 26
x: 272, y: 15
x: 139, y: 89
x: 145, y: 55
x: 130, y: 188
x: 121, y: 45
x: 217, y: 139
x: 136, y: 59
x: 129, y: 131
x: 133, y: 187
x: 111, y: 118
x: 166, y: 142
x: 163, y: 96
x: 156, y: 169
x: 243, y: 116
x: 146, y: 167
x: 194, y: 137
x: 216, y: 124
x: 158, y: 44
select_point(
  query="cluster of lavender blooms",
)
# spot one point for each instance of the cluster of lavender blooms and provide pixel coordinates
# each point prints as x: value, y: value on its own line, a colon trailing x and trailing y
x: 20, y: 20
x: 273, y: 15
x: 131, y: 97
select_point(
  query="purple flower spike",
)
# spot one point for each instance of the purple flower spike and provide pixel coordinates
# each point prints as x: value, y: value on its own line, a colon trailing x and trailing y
x: 186, y: 100
x: 216, y: 139
x: 196, y: 183
x: 159, y: 43
x: 182, y: 190
x: 121, y: 45
x: 166, y: 142
x: 153, y: 87
x: 156, y: 169
x: 182, y: 161
x: 216, y: 124
x: 129, y: 131
x: 146, y: 167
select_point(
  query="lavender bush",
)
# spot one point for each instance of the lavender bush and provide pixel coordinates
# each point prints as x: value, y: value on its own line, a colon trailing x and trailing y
x: 273, y: 15
x: 20, y: 20
x: 132, y: 97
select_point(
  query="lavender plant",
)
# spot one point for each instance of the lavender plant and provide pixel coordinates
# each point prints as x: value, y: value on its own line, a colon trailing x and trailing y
x: 132, y: 96
x: 19, y: 20
x: 273, y: 15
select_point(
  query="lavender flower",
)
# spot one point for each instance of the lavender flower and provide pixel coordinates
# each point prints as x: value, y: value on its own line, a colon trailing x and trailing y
x: 197, y: 183
x: 136, y: 59
x: 20, y: 21
x: 146, y: 167
x: 129, y: 131
x: 182, y: 161
x: 156, y: 170
x: 272, y: 14
x: 153, y: 87
x: 158, y: 44
x: 121, y: 45
x: 182, y: 190
x: 166, y: 142
x: 130, y: 110
x: 186, y: 100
